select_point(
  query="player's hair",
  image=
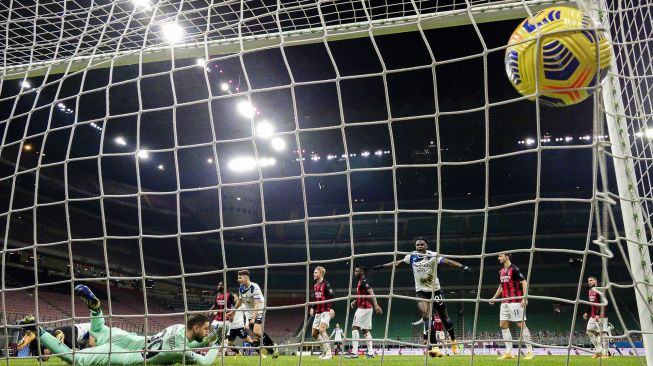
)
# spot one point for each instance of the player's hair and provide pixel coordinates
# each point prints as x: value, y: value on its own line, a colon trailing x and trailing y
x: 243, y: 272
x: 321, y: 269
x: 361, y: 267
x: 595, y: 279
x: 422, y: 238
x: 196, y: 319
x: 509, y: 255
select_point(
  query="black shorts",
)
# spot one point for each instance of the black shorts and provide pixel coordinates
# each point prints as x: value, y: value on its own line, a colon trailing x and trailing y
x: 437, y: 297
x: 240, y: 332
x: 70, y: 334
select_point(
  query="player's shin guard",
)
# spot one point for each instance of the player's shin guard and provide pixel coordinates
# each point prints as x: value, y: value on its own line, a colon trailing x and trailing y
x: 448, y: 324
x: 526, y: 336
x: 507, y: 337
x: 370, y: 344
x: 354, y: 341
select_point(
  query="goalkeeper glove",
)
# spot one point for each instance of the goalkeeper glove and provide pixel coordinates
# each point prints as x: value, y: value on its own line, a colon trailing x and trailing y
x: 214, y: 337
x: 466, y: 269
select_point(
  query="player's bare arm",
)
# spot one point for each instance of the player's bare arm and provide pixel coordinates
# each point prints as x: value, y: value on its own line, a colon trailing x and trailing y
x: 377, y: 308
x: 524, y: 285
x: 397, y: 263
x: 497, y: 293
x: 452, y: 263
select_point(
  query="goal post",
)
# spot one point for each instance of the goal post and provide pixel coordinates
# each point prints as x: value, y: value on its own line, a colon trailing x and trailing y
x: 623, y: 126
x: 350, y: 29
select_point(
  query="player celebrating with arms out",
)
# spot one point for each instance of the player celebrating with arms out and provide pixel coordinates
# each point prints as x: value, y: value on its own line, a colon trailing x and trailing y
x: 597, y: 321
x: 424, y: 264
x: 251, y: 295
x: 321, y: 311
x: 513, y: 284
x: 363, y: 316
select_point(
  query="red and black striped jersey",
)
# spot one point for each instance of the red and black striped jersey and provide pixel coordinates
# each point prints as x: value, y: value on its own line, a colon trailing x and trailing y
x: 511, y: 278
x: 223, y: 301
x: 436, y: 324
x: 362, y: 289
x: 595, y: 310
x: 322, y: 291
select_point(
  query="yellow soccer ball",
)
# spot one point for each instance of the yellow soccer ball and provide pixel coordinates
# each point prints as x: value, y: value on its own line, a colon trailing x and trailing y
x: 570, y: 56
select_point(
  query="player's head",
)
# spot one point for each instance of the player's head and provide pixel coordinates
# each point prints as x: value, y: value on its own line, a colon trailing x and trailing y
x: 318, y: 273
x: 337, y: 325
x: 591, y: 281
x: 243, y: 277
x: 421, y: 244
x: 198, y: 324
x: 504, y: 257
x: 220, y: 286
x: 360, y: 271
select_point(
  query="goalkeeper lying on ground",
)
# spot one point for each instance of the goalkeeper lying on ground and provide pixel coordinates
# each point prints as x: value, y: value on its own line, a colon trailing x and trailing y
x: 118, y: 347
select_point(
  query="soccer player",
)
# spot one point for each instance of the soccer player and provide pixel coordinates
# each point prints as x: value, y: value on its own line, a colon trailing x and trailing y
x: 237, y: 328
x: 251, y: 295
x: 118, y: 347
x: 321, y: 311
x: 223, y: 300
x: 512, y: 284
x: 597, y: 321
x: 424, y: 264
x: 76, y: 336
x: 363, y: 316
x: 337, y: 335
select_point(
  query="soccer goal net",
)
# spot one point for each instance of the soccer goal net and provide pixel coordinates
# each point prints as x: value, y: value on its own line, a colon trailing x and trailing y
x: 151, y: 149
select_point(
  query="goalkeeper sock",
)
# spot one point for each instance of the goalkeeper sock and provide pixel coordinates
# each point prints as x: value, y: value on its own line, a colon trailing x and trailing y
x: 527, y: 338
x: 507, y: 337
x: 354, y: 342
x: 370, y: 344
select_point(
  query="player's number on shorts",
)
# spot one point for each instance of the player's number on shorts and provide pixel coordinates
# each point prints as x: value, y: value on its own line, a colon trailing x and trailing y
x: 517, y: 312
x: 155, y: 344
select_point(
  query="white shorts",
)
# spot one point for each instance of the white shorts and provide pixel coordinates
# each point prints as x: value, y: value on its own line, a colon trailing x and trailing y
x: 439, y: 336
x: 324, y: 317
x: 363, y: 318
x: 512, y: 311
x: 598, y: 327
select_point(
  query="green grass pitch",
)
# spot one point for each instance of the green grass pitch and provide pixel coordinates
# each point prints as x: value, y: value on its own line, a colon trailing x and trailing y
x: 395, y: 361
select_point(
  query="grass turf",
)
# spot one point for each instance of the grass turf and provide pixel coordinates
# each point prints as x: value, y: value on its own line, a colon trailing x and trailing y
x: 395, y: 361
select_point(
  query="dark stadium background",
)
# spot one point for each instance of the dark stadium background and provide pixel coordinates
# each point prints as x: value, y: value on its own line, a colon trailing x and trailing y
x: 565, y: 174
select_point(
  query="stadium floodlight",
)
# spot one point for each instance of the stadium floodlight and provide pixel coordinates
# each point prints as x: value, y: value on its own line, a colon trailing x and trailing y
x: 209, y: 161
x: 161, y: 167
x: 365, y: 154
x: 242, y: 164
x: 278, y: 143
x: 530, y: 141
x: 25, y: 84
x: 172, y: 32
x: 264, y: 129
x: 27, y: 147
x: 143, y: 154
x: 246, y: 109
x: 649, y: 133
x: 120, y: 141
x: 142, y: 4
x: 266, y: 162
x: 568, y: 138
x: 224, y: 86
x: 378, y: 153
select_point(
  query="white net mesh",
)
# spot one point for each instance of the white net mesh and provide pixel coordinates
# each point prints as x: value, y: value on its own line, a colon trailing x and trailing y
x: 153, y: 149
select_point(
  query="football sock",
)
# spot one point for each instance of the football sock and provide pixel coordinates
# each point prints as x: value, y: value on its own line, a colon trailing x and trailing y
x: 370, y: 344
x: 527, y: 338
x: 448, y: 324
x: 508, y: 339
x: 354, y: 342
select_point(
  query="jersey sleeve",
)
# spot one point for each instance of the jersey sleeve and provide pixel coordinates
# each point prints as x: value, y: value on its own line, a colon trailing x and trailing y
x: 366, y: 286
x: 257, y: 294
x: 328, y: 291
x: 517, y: 275
x: 197, y: 359
x: 407, y: 259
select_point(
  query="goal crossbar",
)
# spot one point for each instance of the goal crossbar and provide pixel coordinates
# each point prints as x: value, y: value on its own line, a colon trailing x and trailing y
x: 444, y: 19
